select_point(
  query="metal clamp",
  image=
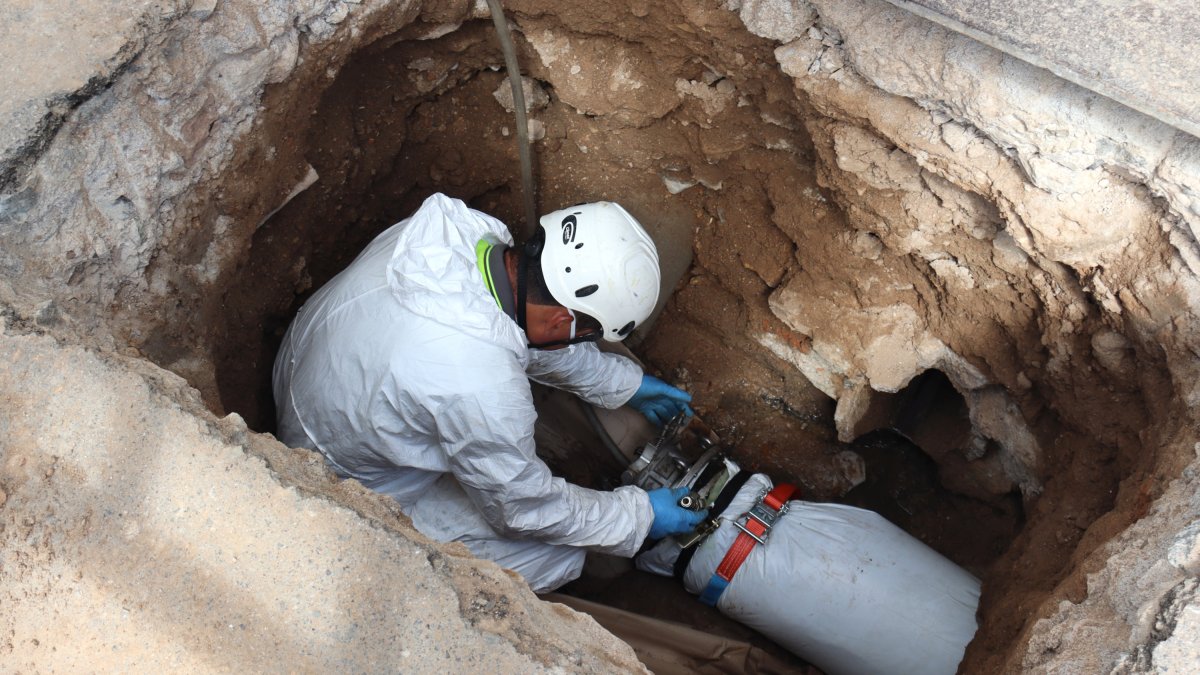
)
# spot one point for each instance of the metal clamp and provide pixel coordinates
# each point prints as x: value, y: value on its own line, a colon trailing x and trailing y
x: 692, y: 538
x: 766, y: 517
x: 691, y: 501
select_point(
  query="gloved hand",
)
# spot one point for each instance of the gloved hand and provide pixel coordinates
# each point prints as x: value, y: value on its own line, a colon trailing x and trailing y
x: 669, y: 516
x: 659, y: 401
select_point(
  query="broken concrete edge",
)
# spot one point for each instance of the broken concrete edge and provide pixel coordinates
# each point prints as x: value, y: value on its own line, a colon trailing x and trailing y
x: 523, y: 617
x: 1177, y: 115
x: 17, y: 161
x: 1152, y: 154
x: 1141, y: 610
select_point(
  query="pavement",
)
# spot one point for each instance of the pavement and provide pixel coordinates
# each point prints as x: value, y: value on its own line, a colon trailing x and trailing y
x: 1141, y: 53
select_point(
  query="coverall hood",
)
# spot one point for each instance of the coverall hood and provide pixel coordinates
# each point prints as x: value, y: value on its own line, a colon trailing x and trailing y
x: 432, y: 268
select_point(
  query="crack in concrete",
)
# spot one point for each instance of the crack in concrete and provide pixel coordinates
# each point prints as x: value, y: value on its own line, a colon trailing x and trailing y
x: 1165, y: 620
x: 16, y: 168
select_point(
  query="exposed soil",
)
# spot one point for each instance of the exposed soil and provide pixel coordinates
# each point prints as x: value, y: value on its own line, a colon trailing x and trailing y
x: 403, y: 120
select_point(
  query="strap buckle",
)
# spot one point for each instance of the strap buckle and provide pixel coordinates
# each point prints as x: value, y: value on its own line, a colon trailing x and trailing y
x: 765, y: 515
x: 761, y: 517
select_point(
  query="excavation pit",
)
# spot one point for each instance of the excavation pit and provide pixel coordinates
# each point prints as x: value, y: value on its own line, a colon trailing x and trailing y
x: 883, y: 287
x: 404, y: 118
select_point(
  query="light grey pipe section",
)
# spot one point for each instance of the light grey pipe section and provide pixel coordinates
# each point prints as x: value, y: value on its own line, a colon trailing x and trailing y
x: 514, y: 80
x: 590, y: 414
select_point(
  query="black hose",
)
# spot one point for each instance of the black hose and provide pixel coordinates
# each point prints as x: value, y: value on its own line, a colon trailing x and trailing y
x: 514, y: 81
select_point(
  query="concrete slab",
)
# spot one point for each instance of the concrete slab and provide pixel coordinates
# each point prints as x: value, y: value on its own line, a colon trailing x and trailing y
x: 140, y: 534
x: 56, y: 54
x: 1143, y: 54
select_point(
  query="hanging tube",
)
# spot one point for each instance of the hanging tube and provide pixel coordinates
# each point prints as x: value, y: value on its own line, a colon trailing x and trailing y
x: 514, y: 80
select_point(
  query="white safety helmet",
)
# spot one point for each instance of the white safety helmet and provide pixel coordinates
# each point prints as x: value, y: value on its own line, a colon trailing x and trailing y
x: 597, y: 259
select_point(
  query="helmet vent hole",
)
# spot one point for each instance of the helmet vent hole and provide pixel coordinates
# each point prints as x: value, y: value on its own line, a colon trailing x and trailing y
x: 568, y: 270
x: 578, y: 246
x: 626, y: 329
x: 586, y: 291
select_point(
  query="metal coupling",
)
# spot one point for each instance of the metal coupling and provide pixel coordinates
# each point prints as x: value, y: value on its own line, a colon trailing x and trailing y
x: 692, y: 502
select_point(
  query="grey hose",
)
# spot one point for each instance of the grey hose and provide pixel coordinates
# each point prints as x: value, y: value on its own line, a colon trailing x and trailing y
x: 514, y: 80
x: 590, y: 413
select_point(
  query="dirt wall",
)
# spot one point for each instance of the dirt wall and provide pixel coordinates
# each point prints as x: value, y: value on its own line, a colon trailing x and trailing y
x: 1036, y: 242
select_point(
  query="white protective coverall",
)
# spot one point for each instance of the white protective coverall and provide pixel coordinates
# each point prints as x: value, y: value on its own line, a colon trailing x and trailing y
x: 406, y: 375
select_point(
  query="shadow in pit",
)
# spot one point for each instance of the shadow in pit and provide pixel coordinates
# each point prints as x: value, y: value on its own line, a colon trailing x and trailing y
x: 920, y: 440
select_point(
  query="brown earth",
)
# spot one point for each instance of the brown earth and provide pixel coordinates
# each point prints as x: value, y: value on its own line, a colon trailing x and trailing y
x: 407, y: 119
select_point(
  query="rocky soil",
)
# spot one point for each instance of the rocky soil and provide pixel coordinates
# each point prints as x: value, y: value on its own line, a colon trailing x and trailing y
x: 852, y: 203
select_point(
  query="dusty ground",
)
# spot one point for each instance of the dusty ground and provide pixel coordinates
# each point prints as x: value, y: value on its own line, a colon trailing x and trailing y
x: 849, y: 197
x: 139, y: 532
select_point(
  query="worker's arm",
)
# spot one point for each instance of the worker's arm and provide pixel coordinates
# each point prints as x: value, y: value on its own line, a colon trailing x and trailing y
x: 600, y: 378
x: 487, y: 434
x: 608, y: 380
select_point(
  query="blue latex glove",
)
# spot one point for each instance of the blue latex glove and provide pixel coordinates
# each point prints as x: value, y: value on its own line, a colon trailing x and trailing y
x: 659, y: 401
x: 669, y: 516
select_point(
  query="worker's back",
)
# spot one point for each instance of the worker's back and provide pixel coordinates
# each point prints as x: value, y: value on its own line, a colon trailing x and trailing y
x: 362, y: 368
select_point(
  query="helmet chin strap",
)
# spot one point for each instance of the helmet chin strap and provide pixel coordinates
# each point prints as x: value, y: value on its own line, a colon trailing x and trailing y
x: 564, y: 343
x: 522, y: 273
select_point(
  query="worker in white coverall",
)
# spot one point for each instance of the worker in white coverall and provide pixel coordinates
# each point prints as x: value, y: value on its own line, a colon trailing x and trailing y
x: 409, y: 371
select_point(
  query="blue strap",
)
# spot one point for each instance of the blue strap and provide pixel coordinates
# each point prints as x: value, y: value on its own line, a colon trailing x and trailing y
x: 712, y: 592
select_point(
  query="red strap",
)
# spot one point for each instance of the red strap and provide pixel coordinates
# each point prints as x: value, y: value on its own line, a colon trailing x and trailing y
x: 737, y: 553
